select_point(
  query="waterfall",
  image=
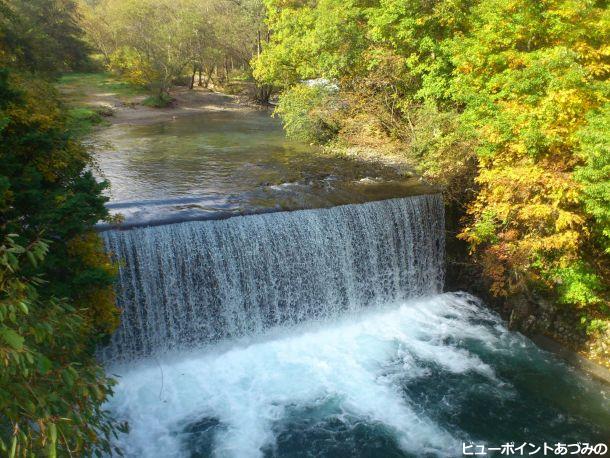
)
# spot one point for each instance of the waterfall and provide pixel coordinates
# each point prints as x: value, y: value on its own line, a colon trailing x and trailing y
x: 186, y: 284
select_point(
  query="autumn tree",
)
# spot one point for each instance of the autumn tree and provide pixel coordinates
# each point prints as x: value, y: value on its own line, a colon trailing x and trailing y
x: 56, y: 282
x: 504, y: 103
x: 533, y: 77
x: 155, y: 43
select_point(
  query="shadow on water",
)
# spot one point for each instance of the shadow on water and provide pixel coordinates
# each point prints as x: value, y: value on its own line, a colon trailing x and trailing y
x: 317, y: 430
x: 198, y: 436
x: 326, y: 431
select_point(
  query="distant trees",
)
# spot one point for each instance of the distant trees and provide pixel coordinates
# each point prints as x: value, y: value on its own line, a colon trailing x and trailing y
x: 503, y: 102
x: 148, y: 42
x: 42, y: 35
x: 156, y: 42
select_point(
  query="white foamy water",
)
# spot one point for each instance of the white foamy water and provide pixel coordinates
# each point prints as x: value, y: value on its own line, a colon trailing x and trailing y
x: 183, y: 285
x: 322, y: 333
x: 357, y: 364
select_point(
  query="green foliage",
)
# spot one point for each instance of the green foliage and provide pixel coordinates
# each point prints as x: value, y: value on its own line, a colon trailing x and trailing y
x: 321, y: 39
x: 156, y: 42
x: 594, y: 175
x: 127, y: 63
x: 305, y: 112
x: 505, y: 103
x: 56, y: 298
x: 80, y: 121
x: 51, y: 398
x: 158, y: 101
x: 485, y: 229
x: 146, y: 42
x: 75, y: 86
x: 441, y: 149
x: 594, y: 325
x: 529, y: 74
x: 41, y: 35
x: 577, y: 284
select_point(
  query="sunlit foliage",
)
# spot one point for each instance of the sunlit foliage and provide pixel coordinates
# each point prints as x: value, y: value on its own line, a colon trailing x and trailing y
x: 529, y: 74
x: 155, y: 42
x: 503, y: 102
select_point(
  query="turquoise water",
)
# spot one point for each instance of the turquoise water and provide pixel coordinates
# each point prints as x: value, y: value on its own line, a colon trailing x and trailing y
x: 411, y: 379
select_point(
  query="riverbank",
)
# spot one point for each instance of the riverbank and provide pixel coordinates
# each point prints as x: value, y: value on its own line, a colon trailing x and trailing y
x: 100, y: 98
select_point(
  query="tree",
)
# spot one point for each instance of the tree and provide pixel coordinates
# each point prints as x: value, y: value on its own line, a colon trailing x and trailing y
x: 530, y: 74
x: 56, y: 297
x: 148, y: 42
x: 502, y: 102
x: 42, y: 35
x: 154, y: 43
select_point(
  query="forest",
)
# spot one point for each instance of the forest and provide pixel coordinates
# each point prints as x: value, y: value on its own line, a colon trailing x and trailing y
x: 504, y: 104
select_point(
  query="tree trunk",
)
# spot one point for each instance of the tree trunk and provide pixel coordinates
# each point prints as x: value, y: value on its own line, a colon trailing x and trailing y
x: 208, y: 76
x: 200, y: 80
x: 192, y: 83
x: 263, y: 93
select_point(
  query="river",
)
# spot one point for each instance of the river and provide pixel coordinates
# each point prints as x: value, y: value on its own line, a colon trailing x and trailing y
x: 294, y: 307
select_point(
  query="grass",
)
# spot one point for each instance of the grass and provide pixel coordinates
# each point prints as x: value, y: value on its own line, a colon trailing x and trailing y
x: 81, y: 120
x: 78, y: 92
x: 79, y: 85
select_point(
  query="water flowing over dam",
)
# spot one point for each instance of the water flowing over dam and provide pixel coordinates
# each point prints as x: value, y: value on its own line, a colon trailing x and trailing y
x: 186, y: 284
x: 323, y: 333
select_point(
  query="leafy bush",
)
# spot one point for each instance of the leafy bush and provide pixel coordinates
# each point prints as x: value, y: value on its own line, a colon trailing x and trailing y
x: 127, y: 63
x: 504, y: 103
x: 161, y: 100
x: 52, y: 388
x: 80, y: 121
x: 308, y: 112
x: 594, y: 174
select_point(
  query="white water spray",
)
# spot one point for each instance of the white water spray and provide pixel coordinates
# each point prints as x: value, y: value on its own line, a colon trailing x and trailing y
x: 320, y: 333
x: 186, y: 284
x: 351, y: 370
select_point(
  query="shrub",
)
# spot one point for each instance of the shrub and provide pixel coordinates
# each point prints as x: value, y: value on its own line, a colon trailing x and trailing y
x: 161, y: 100
x: 308, y: 112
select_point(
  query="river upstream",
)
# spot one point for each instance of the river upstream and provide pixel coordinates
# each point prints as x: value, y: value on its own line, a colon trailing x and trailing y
x: 281, y: 302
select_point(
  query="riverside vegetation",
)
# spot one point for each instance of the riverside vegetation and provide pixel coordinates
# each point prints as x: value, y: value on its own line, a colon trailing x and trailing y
x: 503, y: 103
